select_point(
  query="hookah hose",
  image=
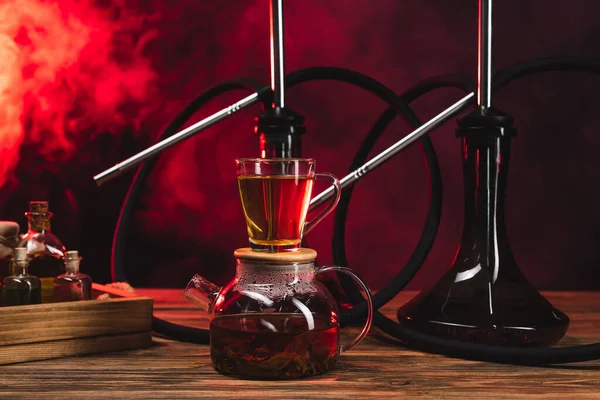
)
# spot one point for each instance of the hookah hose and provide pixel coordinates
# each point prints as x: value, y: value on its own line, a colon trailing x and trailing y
x: 398, y: 104
x: 195, y: 335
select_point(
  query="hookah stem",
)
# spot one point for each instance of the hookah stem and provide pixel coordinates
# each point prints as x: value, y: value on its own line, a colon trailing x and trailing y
x: 484, y: 64
x: 278, y: 127
x: 483, y: 237
x: 277, y: 49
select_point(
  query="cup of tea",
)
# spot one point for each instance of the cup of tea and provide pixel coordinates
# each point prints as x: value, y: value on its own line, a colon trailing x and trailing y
x: 275, y: 195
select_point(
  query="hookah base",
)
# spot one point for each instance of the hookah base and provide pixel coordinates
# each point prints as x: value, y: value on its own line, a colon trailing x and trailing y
x: 530, y: 323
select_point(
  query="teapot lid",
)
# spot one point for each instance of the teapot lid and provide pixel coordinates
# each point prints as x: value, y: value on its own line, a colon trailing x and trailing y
x: 300, y: 255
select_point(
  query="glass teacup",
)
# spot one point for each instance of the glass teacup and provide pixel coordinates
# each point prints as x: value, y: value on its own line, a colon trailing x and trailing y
x: 275, y: 196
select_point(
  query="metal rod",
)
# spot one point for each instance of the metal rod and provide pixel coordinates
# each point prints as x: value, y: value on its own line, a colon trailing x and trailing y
x: 277, y: 60
x: 131, y: 162
x: 394, y: 149
x: 484, y: 65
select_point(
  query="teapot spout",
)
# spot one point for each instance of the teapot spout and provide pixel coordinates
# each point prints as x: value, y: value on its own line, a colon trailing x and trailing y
x: 201, y: 292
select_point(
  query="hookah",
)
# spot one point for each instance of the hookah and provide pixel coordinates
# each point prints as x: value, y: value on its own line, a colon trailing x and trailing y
x: 483, y: 308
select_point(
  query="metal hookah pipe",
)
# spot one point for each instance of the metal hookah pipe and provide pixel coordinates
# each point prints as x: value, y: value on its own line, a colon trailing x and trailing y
x: 277, y: 56
x: 394, y: 149
x: 279, y: 128
x: 484, y: 65
x: 347, y: 181
x: 322, y: 197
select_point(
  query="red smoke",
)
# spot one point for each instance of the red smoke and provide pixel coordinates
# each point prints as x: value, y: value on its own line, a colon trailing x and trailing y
x: 69, y: 70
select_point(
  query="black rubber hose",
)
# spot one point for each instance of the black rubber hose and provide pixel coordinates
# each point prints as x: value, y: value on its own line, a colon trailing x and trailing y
x: 196, y: 335
x: 489, y: 353
x: 551, y: 64
x: 418, y: 257
x: 480, y: 352
x: 120, y: 237
x: 400, y: 107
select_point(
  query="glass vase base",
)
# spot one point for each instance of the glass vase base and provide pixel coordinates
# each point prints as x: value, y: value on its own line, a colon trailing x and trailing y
x: 498, y: 316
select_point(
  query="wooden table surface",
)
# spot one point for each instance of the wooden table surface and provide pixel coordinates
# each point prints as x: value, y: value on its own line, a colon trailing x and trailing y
x: 373, y: 369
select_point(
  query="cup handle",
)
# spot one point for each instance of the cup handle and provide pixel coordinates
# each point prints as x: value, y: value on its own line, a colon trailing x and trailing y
x: 337, y: 188
x: 364, y: 286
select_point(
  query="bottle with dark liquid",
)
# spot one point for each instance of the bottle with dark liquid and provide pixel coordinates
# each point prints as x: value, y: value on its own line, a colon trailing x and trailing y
x: 20, y: 288
x: 275, y: 320
x: 45, y: 250
x: 72, y: 285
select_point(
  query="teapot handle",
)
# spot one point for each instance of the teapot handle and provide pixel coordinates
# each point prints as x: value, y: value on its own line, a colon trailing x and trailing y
x: 369, y: 299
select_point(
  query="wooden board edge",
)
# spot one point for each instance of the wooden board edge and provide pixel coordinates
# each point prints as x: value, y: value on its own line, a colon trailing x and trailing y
x: 114, y: 317
x: 27, y: 352
x: 70, y: 305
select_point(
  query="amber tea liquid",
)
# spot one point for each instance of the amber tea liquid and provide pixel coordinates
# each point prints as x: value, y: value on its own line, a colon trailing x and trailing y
x: 272, y: 346
x: 275, y: 207
x: 46, y: 266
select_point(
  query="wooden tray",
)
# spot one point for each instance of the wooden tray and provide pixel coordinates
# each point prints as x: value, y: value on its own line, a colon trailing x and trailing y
x: 46, y: 331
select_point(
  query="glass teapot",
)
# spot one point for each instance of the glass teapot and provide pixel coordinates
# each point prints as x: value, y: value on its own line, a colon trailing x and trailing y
x: 274, y: 320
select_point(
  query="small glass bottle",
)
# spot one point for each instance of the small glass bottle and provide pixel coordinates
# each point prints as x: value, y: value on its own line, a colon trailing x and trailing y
x: 45, y: 250
x: 9, y: 240
x: 72, y: 285
x: 20, y: 288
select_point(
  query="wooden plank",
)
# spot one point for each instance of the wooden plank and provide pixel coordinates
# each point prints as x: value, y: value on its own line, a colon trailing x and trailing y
x: 70, y: 347
x: 48, y: 331
x: 59, y: 321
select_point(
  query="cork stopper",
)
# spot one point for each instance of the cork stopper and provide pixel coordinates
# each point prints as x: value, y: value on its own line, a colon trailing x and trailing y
x: 299, y: 255
x: 72, y: 261
x: 39, y: 216
x: 38, y: 207
x: 72, y: 255
x: 20, y: 254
